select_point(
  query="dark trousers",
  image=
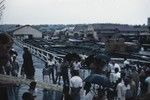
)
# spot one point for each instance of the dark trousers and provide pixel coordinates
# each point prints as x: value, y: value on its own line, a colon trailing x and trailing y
x: 75, y: 93
x: 7, y: 70
x: 58, y: 77
x: 65, y: 80
x: 52, y: 73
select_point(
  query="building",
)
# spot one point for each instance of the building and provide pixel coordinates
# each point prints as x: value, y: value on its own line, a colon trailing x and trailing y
x: 86, y: 31
x: 26, y: 32
x: 104, y: 31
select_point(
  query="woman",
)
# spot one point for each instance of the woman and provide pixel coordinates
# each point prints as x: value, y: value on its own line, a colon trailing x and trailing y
x: 27, y: 66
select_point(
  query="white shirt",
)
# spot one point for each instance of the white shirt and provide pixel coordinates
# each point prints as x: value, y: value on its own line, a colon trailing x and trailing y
x: 120, y: 91
x: 76, y: 82
x: 117, y: 75
x: 58, y: 65
x: 114, y: 77
x: 51, y: 62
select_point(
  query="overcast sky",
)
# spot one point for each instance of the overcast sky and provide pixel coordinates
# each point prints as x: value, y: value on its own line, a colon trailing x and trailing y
x: 76, y: 11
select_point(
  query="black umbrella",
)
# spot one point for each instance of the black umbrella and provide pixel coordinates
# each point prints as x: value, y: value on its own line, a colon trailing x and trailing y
x: 98, y: 79
x: 89, y: 60
x: 102, y: 57
x: 72, y: 56
x: 68, y: 57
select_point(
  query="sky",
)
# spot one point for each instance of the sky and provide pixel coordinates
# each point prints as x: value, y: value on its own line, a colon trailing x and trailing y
x: 133, y: 12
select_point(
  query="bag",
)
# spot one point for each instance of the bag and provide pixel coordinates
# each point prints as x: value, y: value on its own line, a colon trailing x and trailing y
x: 128, y: 94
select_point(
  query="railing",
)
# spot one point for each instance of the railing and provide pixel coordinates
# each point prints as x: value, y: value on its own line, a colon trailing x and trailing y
x: 38, y: 52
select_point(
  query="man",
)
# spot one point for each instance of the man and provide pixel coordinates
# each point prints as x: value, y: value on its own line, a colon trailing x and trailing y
x: 111, y: 67
x: 115, y: 76
x: 32, y: 88
x: 51, y: 68
x: 126, y: 62
x: 58, y: 71
x: 46, y: 74
x: 120, y: 90
x: 35, y: 91
x: 8, y: 68
x: 5, y: 46
x: 64, y: 72
x: 135, y: 77
x: 75, y: 84
x: 76, y: 66
x: 15, y: 67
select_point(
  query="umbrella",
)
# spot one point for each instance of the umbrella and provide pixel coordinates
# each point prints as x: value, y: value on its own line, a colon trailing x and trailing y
x: 98, y: 79
x: 72, y: 56
x: 102, y: 57
x: 89, y: 60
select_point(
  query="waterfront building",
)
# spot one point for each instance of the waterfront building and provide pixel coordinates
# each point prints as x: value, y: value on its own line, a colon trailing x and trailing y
x: 27, y: 32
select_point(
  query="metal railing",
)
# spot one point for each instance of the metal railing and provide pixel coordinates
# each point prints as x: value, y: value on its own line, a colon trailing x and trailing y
x: 38, y: 52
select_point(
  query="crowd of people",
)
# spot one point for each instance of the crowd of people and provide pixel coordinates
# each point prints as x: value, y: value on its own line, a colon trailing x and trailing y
x: 8, y: 63
x: 128, y: 80
x: 12, y: 66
